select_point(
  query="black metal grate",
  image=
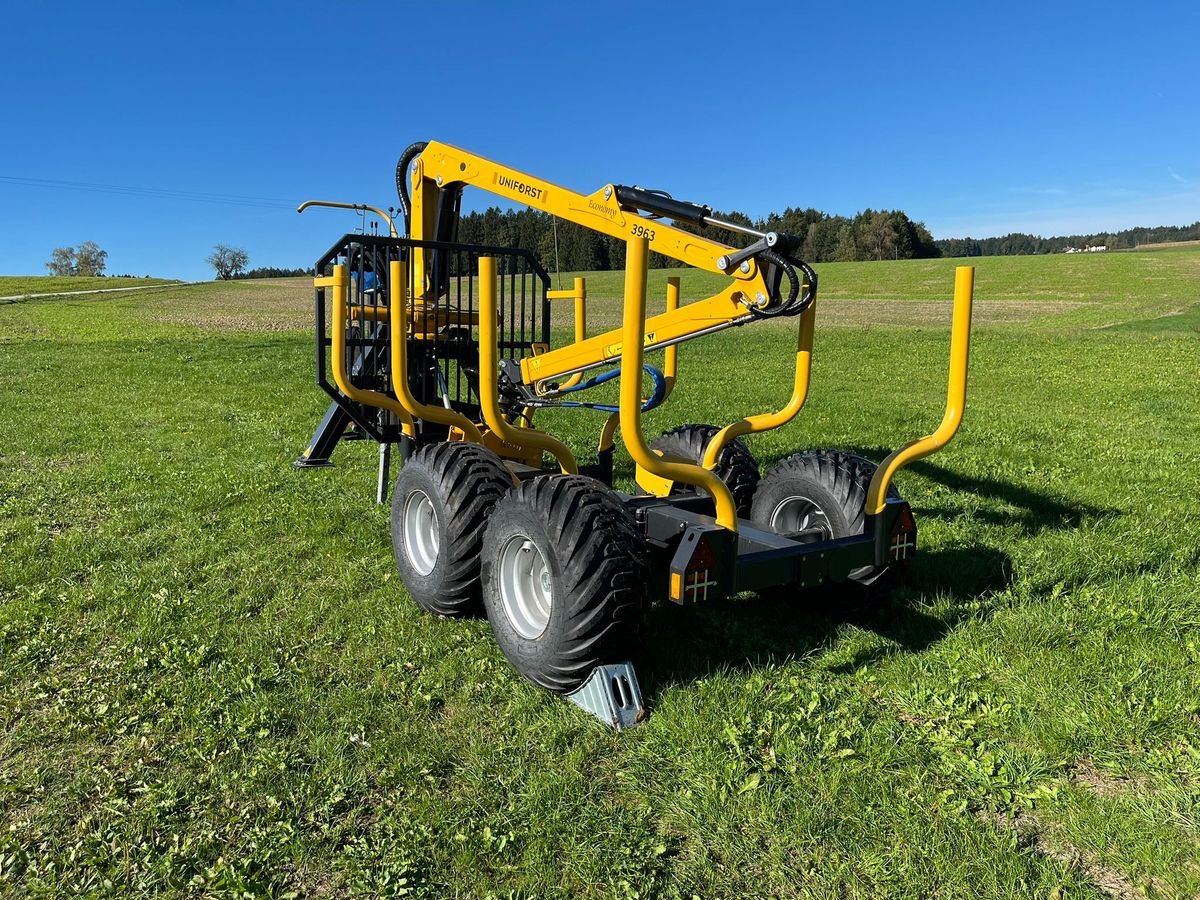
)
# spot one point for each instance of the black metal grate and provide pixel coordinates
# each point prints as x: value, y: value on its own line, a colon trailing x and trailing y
x: 443, y: 363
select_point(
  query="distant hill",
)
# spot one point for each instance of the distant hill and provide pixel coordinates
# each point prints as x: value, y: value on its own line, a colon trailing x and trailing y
x: 1019, y: 244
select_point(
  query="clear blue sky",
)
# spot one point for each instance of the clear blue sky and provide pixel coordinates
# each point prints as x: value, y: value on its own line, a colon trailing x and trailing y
x: 975, y: 118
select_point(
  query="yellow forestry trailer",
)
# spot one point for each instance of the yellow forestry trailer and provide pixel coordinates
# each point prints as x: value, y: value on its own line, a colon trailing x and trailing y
x: 444, y: 349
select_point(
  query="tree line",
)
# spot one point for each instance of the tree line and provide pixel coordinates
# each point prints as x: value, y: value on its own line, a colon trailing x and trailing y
x: 274, y: 272
x: 558, y: 244
x: 1020, y: 244
x: 869, y: 235
x: 872, y: 234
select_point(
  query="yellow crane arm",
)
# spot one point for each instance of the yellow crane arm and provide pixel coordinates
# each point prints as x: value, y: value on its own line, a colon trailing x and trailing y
x: 441, y: 166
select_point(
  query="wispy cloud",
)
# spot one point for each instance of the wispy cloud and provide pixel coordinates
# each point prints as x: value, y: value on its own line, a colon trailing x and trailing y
x: 1171, y: 171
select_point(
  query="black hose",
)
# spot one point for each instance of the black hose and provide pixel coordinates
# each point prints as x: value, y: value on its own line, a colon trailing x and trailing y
x: 789, y: 305
x: 410, y: 153
x: 793, y: 304
x: 811, y: 294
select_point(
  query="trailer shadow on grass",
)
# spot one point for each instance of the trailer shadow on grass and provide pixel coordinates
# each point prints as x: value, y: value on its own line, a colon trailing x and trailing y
x: 1029, y: 509
x: 1006, y: 503
x: 681, y: 645
x: 941, y: 588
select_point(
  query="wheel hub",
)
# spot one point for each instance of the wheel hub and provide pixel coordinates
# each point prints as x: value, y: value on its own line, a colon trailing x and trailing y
x: 420, y: 525
x: 526, y: 587
x: 799, y: 513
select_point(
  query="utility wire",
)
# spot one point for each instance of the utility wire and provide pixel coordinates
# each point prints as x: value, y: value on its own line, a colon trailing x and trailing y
x: 148, y: 192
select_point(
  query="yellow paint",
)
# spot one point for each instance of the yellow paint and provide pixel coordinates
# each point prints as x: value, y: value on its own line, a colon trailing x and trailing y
x: 652, y: 484
x: 530, y: 456
x: 372, y: 313
x: 579, y: 294
x: 339, y: 282
x: 608, y: 432
x: 956, y: 396
x: 398, y: 300
x: 671, y: 354
x: 670, y: 365
x: 426, y: 322
x: 455, y: 166
x: 767, y: 421
x: 489, y: 367
x: 631, y: 394
x: 440, y: 166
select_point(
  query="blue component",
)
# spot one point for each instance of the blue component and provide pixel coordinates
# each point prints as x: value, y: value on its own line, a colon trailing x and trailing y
x: 657, y: 396
x: 368, y: 281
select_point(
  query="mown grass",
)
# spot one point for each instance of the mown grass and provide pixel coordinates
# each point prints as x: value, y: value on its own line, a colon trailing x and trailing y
x: 212, y: 682
x: 16, y: 285
x: 1170, y: 245
x: 1058, y: 290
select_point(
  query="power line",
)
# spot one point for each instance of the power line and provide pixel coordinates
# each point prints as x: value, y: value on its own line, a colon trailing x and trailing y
x: 149, y: 192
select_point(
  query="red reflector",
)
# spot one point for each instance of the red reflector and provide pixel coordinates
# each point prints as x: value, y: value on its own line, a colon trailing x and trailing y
x: 702, y: 558
x: 904, y: 534
x: 698, y: 577
x: 904, y: 523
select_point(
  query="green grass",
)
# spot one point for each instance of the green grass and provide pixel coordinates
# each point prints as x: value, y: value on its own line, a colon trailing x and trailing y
x: 15, y: 285
x: 212, y: 683
x: 1076, y: 289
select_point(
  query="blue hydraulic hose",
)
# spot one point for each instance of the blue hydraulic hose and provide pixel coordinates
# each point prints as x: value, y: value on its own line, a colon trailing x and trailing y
x: 657, y: 396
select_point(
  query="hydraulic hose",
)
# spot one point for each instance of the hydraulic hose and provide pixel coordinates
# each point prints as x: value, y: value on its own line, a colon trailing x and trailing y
x: 410, y: 153
x: 793, y: 304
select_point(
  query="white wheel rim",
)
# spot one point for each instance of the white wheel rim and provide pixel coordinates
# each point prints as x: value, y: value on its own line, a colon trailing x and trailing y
x: 526, y: 589
x: 798, y: 513
x: 420, y: 532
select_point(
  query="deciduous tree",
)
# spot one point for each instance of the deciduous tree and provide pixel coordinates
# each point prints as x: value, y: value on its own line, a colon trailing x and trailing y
x: 62, y: 261
x: 228, y: 262
x: 879, y: 234
x: 90, y: 259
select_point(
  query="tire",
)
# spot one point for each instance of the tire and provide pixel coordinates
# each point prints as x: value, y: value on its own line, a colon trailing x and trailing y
x: 564, y: 579
x: 824, y: 489
x: 440, y: 506
x: 735, y: 464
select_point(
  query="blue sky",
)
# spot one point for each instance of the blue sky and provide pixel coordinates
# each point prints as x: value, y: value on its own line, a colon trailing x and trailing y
x: 977, y: 119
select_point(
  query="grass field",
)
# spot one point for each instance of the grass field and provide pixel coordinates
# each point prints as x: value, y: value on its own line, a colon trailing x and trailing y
x: 1171, y: 245
x: 16, y: 285
x: 211, y: 682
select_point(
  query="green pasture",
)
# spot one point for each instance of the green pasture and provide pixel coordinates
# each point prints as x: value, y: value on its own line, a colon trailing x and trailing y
x: 212, y: 683
x: 17, y: 285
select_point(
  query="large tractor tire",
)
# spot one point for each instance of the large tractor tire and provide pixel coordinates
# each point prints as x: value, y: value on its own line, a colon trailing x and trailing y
x: 564, y: 579
x: 824, y: 490
x: 440, y: 506
x: 735, y: 465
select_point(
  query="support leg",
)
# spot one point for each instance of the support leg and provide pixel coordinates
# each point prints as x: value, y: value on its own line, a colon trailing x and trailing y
x: 385, y: 457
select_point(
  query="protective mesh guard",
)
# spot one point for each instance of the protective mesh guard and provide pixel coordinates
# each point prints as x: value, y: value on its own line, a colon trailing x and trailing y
x: 443, y: 349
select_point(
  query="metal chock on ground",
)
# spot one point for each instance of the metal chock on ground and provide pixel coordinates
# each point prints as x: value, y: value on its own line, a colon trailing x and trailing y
x: 612, y: 695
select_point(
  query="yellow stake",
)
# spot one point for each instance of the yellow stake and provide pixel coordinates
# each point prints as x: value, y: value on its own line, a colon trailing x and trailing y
x: 631, y: 394
x: 767, y: 421
x: 489, y: 366
x: 340, y: 282
x: 670, y: 365
x: 956, y: 396
x: 579, y: 295
x: 397, y: 292
x: 671, y: 354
